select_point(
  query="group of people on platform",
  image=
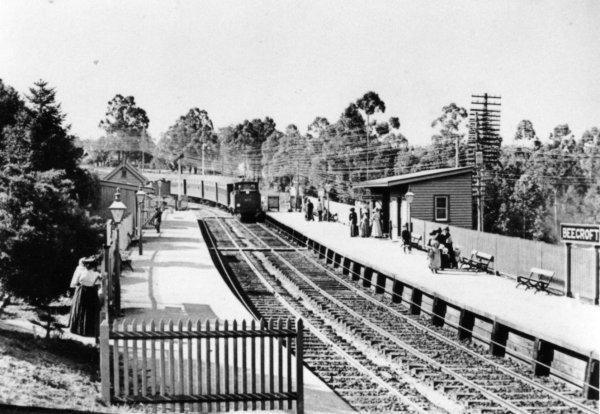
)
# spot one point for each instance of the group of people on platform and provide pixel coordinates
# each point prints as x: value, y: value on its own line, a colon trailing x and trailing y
x: 321, y: 212
x: 369, y: 227
x: 440, y: 250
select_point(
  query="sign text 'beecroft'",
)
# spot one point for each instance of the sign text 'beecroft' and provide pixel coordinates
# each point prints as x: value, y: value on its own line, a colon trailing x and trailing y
x: 580, y: 233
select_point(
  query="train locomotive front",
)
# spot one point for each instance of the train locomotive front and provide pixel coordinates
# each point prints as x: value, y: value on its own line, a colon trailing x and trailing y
x: 246, y: 201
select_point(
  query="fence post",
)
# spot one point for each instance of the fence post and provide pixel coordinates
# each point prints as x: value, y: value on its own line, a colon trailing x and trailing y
x: 299, y: 368
x: 568, y: 270
x: 105, y: 360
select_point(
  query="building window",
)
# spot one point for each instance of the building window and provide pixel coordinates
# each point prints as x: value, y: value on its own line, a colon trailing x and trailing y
x: 441, y: 208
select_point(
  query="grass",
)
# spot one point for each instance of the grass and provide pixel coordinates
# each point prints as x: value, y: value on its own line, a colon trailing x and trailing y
x: 54, y: 373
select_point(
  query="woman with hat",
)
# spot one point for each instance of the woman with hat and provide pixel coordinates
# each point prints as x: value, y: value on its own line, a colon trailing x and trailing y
x: 434, y: 255
x: 365, y: 225
x: 450, y: 247
x: 353, y: 219
x: 84, y: 319
x: 441, y: 239
x: 376, y: 226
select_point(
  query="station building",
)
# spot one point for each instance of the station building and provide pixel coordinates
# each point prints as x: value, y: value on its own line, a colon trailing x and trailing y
x: 442, y: 196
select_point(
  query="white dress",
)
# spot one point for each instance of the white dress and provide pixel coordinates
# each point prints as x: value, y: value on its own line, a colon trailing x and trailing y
x: 376, y: 230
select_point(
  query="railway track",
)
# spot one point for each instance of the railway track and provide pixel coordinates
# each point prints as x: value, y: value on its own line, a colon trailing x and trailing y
x: 366, y: 386
x: 202, y: 212
x: 392, y: 345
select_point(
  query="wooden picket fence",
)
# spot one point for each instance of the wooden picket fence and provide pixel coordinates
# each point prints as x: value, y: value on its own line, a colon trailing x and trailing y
x: 188, y: 367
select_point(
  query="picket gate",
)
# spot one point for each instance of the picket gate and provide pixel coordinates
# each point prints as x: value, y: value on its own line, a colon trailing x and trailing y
x: 194, y: 367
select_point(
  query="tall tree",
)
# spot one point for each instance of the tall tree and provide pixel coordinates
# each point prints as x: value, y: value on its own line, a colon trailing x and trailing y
x: 52, y: 147
x: 14, y: 143
x: 244, y: 141
x: 43, y: 228
x: 125, y: 124
x: 43, y: 233
x: 446, y: 142
x: 370, y: 103
x: 193, y: 136
x: 526, y: 135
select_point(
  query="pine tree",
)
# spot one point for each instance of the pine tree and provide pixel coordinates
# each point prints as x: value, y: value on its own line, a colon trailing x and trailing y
x: 52, y: 147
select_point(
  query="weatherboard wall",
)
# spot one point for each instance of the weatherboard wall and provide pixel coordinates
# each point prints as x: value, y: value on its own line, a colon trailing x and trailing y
x: 460, y: 199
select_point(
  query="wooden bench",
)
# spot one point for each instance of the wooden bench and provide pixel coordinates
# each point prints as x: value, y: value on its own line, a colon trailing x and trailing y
x: 416, y: 239
x: 538, y: 279
x: 479, y: 261
x: 125, y: 259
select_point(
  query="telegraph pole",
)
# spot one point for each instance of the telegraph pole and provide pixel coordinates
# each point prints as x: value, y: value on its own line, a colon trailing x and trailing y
x: 142, y: 147
x: 297, y: 181
x: 484, y: 141
x: 203, y: 148
x: 479, y: 158
x: 367, y: 145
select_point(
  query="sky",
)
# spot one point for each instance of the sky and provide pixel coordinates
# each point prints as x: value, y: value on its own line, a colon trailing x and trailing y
x: 296, y: 60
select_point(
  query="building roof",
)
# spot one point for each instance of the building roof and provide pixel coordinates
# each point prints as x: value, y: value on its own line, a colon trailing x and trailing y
x: 413, y: 177
x: 133, y: 173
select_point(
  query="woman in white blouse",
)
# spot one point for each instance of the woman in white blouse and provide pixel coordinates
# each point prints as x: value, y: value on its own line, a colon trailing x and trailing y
x: 85, y: 309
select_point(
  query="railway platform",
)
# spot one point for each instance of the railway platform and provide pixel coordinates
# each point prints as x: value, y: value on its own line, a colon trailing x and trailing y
x: 176, y: 279
x: 566, y: 322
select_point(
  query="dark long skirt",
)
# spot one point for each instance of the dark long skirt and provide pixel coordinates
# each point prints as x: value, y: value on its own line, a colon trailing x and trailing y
x: 445, y: 261
x: 365, y: 229
x: 353, y: 230
x: 451, y: 256
x: 84, y: 319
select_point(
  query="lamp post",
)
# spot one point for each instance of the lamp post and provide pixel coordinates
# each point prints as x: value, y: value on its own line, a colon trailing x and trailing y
x: 409, y: 197
x: 117, y: 210
x: 140, y: 196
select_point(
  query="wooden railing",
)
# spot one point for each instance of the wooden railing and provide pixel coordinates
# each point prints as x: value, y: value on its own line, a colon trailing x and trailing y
x: 194, y: 367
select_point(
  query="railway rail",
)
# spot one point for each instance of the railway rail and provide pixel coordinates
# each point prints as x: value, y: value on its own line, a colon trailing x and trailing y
x: 330, y: 356
x: 361, y: 342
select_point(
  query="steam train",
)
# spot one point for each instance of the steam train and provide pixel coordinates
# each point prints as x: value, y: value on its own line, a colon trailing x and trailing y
x: 245, y: 201
x: 241, y: 198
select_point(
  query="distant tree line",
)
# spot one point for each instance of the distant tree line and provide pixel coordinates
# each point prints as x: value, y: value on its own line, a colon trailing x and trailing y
x: 533, y: 185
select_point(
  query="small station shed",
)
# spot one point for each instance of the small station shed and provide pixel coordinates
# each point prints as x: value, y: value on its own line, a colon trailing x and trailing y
x: 443, y: 195
x: 128, y: 179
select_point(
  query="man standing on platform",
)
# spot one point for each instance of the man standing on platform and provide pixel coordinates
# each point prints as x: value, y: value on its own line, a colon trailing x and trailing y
x: 353, y: 220
x: 320, y: 210
x: 157, y: 218
x: 309, y: 210
x: 406, y: 239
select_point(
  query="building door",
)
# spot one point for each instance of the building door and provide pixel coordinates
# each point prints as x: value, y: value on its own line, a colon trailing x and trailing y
x: 394, y: 216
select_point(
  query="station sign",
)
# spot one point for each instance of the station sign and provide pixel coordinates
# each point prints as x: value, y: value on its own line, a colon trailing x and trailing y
x: 580, y: 233
x: 371, y: 197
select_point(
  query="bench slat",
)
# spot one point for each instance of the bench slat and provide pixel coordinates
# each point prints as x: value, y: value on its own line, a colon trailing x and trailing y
x: 538, y: 278
x: 544, y: 272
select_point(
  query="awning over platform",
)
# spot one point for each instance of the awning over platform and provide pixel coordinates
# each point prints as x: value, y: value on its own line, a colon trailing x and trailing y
x: 411, y: 178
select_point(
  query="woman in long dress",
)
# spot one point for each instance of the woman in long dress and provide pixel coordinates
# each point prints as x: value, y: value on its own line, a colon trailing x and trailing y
x: 376, y: 230
x: 353, y: 220
x: 84, y: 319
x: 450, y: 247
x: 434, y: 256
x: 365, y: 227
